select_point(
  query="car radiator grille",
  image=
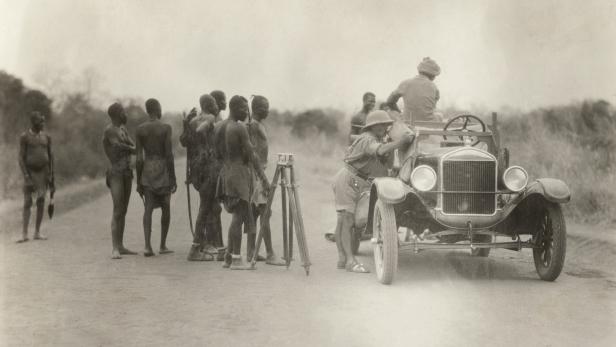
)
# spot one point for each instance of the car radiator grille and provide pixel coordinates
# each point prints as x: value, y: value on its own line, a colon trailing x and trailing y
x: 469, y: 187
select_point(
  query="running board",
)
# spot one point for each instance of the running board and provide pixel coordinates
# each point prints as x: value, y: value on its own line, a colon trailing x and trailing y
x: 416, y: 246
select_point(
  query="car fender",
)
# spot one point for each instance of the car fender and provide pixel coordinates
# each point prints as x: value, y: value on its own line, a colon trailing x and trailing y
x: 552, y: 189
x: 390, y: 190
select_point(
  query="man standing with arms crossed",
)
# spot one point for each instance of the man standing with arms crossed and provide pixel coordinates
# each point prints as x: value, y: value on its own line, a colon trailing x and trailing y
x: 258, y: 138
x: 118, y: 148
x: 155, y: 173
x: 36, y: 164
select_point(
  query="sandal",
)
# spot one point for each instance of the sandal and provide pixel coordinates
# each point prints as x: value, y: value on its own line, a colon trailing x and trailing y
x: 357, y: 268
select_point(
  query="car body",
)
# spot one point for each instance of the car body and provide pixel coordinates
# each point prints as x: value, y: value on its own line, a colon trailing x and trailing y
x: 454, y: 189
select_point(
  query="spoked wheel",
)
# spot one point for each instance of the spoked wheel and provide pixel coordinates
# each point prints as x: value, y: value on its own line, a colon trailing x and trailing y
x: 386, y: 245
x: 481, y: 252
x: 551, y: 241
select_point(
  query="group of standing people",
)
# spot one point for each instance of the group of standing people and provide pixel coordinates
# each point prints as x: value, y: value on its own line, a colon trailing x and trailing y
x: 226, y: 160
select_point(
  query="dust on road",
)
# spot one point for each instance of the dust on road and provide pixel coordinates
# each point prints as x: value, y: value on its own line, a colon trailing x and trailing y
x: 67, y: 291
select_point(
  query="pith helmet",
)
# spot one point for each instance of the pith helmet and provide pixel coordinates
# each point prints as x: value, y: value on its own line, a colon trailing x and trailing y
x: 377, y: 117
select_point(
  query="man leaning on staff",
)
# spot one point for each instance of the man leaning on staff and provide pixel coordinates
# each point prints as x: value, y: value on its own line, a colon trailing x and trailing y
x: 365, y: 159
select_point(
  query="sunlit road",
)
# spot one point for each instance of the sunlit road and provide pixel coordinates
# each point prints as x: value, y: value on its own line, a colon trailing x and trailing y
x: 67, y: 291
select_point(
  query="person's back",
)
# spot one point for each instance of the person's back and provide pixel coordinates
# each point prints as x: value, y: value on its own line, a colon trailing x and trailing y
x: 220, y: 142
x: 420, y: 96
x: 153, y: 135
x: 237, y: 142
x: 419, y: 93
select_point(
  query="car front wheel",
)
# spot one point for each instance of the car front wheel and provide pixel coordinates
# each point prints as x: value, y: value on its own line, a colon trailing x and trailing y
x: 550, y: 242
x: 386, y: 242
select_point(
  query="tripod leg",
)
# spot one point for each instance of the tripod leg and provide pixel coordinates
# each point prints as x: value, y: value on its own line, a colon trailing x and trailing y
x: 268, y: 213
x: 299, y: 225
x: 285, y: 241
x: 291, y: 213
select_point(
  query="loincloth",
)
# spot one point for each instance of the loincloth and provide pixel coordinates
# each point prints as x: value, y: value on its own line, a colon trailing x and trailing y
x: 235, y: 181
x: 40, y: 182
x: 155, y: 176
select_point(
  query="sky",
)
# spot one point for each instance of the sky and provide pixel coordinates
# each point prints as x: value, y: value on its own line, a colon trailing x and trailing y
x: 303, y: 54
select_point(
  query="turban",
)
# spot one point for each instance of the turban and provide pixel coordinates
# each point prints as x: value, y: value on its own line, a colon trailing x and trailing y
x: 429, y: 67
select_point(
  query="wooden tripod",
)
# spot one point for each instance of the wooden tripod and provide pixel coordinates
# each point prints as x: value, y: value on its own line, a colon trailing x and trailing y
x: 291, y: 213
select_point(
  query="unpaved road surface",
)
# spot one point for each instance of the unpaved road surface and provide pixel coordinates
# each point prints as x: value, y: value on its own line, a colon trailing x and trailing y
x: 68, y: 292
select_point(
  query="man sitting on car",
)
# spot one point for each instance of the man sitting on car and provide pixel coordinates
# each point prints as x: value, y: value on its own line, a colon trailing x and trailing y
x: 419, y: 93
x: 365, y: 159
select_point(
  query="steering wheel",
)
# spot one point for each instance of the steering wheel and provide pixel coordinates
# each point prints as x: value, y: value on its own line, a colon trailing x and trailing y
x: 468, y: 121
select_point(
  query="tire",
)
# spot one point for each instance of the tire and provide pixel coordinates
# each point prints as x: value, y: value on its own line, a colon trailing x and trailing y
x: 355, y: 241
x: 551, y: 237
x: 386, y: 247
x: 481, y: 252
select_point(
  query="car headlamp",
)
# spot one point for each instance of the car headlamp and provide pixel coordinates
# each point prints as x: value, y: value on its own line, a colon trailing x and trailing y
x: 515, y: 178
x: 423, y: 178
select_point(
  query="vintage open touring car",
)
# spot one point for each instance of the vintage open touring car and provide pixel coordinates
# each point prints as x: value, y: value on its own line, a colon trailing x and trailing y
x: 454, y: 189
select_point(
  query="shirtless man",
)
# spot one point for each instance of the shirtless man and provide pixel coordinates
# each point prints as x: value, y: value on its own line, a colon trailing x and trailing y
x: 235, y: 187
x: 359, y: 120
x: 36, y: 164
x: 221, y: 102
x: 198, y: 137
x: 118, y: 147
x: 258, y: 137
x: 155, y: 173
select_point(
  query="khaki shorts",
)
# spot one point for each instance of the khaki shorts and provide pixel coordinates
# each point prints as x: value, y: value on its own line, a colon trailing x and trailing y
x: 348, y: 189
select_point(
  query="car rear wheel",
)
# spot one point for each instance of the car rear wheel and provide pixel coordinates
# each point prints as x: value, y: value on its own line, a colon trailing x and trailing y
x: 481, y: 252
x: 551, y: 241
x: 386, y: 245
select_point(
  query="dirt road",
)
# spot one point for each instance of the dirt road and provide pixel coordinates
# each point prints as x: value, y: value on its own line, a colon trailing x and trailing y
x: 67, y: 291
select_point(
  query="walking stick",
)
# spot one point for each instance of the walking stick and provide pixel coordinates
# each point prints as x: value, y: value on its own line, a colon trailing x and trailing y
x: 187, y: 182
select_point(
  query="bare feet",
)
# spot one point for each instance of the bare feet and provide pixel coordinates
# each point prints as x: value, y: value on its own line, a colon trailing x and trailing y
x: 227, y: 260
x: 195, y: 255
x: 126, y: 251
x: 115, y: 254
x: 272, y: 259
x: 238, y: 264
x: 148, y: 252
x: 259, y: 258
x: 39, y: 237
x: 208, y: 248
x: 165, y: 250
x: 221, y: 254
